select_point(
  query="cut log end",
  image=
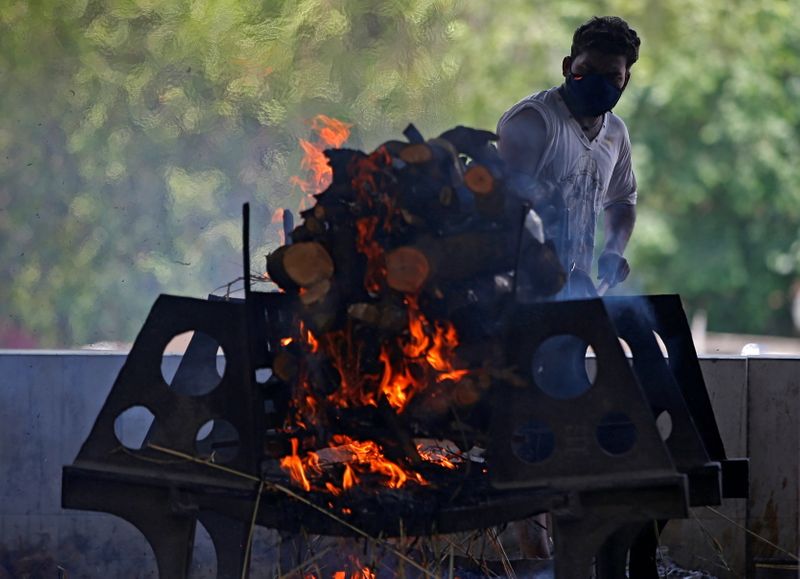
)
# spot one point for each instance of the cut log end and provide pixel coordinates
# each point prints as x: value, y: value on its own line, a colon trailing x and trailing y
x: 307, y: 263
x: 315, y: 293
x: 479, y: 180
x: 407, y: 269
x: 416, y: 153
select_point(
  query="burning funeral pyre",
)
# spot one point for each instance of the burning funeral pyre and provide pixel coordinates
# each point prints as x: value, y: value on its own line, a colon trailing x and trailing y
x: 422, y: 380
x: 401, y: 269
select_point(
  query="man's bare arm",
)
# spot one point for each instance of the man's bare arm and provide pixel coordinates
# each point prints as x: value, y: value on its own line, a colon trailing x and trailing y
x: 522, y: 141
x: 620, y: 219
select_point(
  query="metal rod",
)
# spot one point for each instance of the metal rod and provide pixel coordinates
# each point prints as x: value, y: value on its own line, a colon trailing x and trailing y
x: 246, y: 247
x: 526, y: 207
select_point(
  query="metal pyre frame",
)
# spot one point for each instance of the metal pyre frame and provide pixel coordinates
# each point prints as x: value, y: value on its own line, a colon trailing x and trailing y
x: 587, y: 451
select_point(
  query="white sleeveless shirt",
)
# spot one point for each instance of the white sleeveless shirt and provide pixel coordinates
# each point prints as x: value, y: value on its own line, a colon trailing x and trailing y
x: 591, y: 175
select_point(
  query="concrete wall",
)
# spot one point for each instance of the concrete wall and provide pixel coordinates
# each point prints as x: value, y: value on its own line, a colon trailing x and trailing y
x: 757, y: 405
x: 773, y: 407
x: 49, y: 400
x: 706, y: 541
x: 48, y: 404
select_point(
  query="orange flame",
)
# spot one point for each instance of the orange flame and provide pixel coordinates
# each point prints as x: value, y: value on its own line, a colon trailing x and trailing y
x: 349, y: 479
x: 294, y: 465
x: 277, y: 217
x: 309, y: 338
x: 441, y: 354
x: 369, y: 454
x: 418, y: 343
x: 364, y: 573
x: 435, y: 456
x: 330, y: 133
x: 366, y: 456
x: 398, y: 387
x: 423, y: 352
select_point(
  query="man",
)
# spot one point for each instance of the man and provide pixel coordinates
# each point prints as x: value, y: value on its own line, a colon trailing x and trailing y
x: 572, y: 157
x: 571, y: 153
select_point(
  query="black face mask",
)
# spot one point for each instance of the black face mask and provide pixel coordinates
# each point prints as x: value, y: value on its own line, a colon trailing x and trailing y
x: 591, y: 95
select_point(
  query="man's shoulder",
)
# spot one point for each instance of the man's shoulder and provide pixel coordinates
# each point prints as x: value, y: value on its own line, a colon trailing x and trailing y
x: 543, y: 97
x: 539, y: 101
x: 617, y: 125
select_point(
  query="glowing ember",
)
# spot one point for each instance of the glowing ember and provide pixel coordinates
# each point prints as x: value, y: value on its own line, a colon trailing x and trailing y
x: 357, y: 456
x: 369, y: 454
x: 445, y: 455
x: 364, y: 573
x: 376, y: 262
x: 361, y: 572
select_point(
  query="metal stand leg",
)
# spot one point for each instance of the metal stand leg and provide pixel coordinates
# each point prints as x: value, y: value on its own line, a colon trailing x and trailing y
x: 643, y: 551
x: 230, y: 542
x: 577, y: 542
x: 612, y: 558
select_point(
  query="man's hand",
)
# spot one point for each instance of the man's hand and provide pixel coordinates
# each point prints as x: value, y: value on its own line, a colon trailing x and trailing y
x: 612, y: 268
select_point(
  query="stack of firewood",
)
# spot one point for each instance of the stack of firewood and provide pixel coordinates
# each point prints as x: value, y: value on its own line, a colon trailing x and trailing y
x: 420, y: 217
x: 384, y: 265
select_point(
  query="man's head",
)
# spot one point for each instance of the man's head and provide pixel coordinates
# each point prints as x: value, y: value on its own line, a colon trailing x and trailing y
x: 603, y: 49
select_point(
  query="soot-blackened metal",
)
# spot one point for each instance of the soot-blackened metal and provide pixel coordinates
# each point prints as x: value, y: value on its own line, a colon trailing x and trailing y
x: 603, y: 480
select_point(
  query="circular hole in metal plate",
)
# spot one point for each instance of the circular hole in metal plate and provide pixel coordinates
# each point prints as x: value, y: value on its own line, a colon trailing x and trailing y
x: 661, y: 345
x: 193, y: 363
x: 591, y: 365
x: 218, y: 441
x: 664, y: 424
x: 204, y: 557
x: 616, y: 434
x: 132, y: 425
x: 559, y: 367
x: 533, y: 441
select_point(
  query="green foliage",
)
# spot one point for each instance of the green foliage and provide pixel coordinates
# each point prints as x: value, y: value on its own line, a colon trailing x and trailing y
x: 132, y: 130
x: 714, y: 116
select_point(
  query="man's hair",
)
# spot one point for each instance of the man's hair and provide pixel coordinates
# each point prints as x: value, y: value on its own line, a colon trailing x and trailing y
x: 607, y: 34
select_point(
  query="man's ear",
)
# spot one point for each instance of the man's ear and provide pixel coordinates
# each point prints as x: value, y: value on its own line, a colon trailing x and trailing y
x: 566, y: 65
x: 627, y: 78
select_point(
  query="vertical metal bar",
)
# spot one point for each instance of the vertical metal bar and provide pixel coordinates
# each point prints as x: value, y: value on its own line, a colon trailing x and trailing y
x: 246, y: 247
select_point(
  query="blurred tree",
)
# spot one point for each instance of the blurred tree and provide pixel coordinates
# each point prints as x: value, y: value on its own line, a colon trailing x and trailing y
x: 132, y: 130
x: 714, y: 116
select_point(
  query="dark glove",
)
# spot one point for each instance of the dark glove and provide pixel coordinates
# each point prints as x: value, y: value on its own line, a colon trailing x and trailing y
x: 612, y: 268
